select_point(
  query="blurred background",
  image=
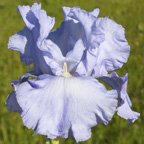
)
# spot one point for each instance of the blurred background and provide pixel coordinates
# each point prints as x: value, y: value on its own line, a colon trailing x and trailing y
x: 128, y: 13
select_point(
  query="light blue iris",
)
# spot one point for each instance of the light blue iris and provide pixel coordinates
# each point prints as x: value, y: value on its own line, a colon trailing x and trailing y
x: 64, y: 98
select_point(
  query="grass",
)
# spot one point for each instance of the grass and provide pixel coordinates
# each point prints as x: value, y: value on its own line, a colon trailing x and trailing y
x: 130, y: 14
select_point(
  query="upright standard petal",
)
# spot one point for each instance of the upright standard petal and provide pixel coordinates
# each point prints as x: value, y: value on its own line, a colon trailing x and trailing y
x: 53, y: 106
x: 73, y: 29
x: 37, y: 20
x: 107, y: 47
x: 113, y: 52
x: 53, y: 56
x: 30, y: 54
x: 22, y: 42
x: 66, y: 36
x: 87, y: 21
x: 29, y: 41
x: 124, y: 107
x: 56, y: 60
x: 74, y: 57
x: 66, y: 11
x: 92, y: 37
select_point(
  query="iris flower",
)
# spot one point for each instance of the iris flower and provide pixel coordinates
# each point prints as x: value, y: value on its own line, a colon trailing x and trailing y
x: 64, y: 98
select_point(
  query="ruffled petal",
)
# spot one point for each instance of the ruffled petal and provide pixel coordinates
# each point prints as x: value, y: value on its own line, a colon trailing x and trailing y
x: 44, y: 52
x: 113, y: 52
x: 125, y: 112
x: 107, y: 47
x: 74, y: 56
x: 30, y: 40
x: 24, y: 10
x: 30, y: 54
x: 95, y: 12
x: 73, y: 29
x: 92, y: 38
x: 66, y: 36
x: 85, y: 19
x: 53, y: 56
x: 12, y: 103
x: 22, y: 42
x: 87, y: 64
x: 66, y: 11
x: 39, y: 25
x: 124, y: 107
x: 53, y: 106
x: 37, y: 20
x: 18, y: 42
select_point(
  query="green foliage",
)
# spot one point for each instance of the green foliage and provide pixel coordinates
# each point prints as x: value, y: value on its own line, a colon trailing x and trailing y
x: 130, y: 14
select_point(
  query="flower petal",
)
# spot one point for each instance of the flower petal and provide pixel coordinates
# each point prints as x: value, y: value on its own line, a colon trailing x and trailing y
x: 30, y: 54
x: 113, y: 52
x: 30, y: 40
x: 53, y: 56
x: 120, y: 84
x: 74, y: 56
x: 12, y: 103
x: 95, y: 12
x: 86, y: 64
x: 105, y: 41
x: 23, y: 43
x: 84, y: 18
x: 53, y: 107
x: 88, y: 23
x: 66, y: 36
x: 24, y: 10
x: 73, y: 29
x: 92, y: 38
x: 37, y: 20
x: 18, y: 42
x: 66, y: 11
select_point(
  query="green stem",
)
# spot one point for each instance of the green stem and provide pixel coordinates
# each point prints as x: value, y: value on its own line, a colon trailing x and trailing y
x: 56, y: 141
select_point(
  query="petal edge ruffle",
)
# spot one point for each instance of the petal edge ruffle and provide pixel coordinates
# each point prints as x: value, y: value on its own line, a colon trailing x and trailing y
x: 54, y: 111
x: 124, y: 105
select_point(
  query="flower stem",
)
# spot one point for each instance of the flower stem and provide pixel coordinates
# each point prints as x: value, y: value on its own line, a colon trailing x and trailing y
x: 55, y: 141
